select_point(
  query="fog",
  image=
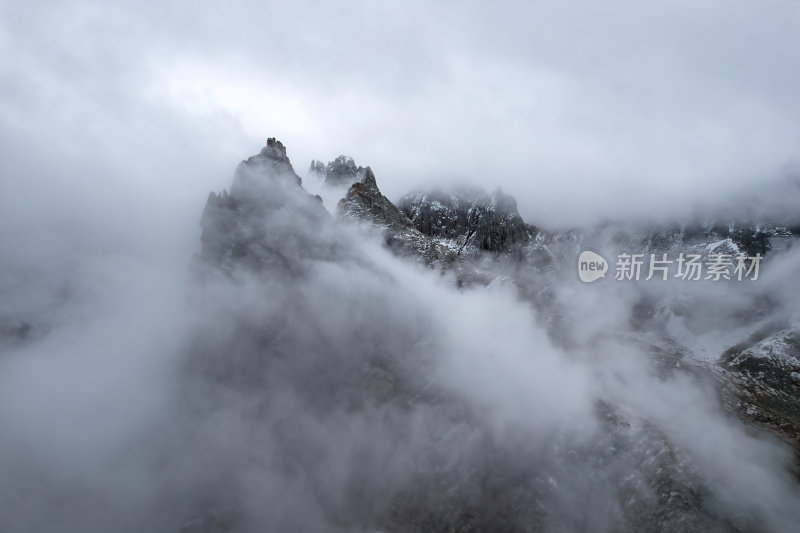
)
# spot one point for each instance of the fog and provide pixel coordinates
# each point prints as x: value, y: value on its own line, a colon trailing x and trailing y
x: 349, y: 388
x: 598, y: 110
x: 141, y: 390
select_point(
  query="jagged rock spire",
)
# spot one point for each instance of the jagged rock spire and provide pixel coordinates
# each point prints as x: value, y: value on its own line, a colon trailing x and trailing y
x: 274, y: 150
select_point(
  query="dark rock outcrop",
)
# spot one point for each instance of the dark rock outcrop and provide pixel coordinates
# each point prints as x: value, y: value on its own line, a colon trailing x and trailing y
x: 735, y: 237
x: 471, y: 217
x: 364, y: 203
x: 762, y: 375
x: 340, y: 171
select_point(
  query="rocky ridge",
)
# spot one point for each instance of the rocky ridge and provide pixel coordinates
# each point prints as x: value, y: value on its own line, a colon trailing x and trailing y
x: 478, y: 227
x: 268, y: 224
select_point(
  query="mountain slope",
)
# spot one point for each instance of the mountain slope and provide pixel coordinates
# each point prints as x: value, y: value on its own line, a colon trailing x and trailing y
x: 333, y: 388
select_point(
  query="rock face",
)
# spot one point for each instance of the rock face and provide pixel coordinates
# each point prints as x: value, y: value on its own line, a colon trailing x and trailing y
x: 364, y: 203
x: 470, y: 217
x: 712, y: 237
x: 762, y: 374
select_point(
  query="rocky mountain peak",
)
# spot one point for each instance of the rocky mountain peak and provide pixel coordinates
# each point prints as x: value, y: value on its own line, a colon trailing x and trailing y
x: 365, y: 202
x: 470, y: 216
x: 266, y: 208
x: 274, y: 150
x: 258, y: 175
x: 368, y: 178
x: 341, y: 171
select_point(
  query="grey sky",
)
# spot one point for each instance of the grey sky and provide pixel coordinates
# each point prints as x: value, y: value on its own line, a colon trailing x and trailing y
x: 579, y: 109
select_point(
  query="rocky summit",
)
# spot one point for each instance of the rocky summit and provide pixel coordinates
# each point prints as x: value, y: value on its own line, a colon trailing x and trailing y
x: 470, y: 217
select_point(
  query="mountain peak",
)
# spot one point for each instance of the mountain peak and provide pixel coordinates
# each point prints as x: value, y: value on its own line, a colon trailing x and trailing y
x: 258, y: 174
x: 364, y: 202
x: 265, y: 190
x: 274, y: 150
x: 341, y: 171
x: 469, y: 215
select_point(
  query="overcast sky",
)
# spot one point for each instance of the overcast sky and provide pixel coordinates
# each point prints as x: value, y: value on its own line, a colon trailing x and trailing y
x: 580, y: 109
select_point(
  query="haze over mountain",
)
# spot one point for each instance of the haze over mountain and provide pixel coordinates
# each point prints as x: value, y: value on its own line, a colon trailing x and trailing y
x: 419, y: 368
x: 388, y: 332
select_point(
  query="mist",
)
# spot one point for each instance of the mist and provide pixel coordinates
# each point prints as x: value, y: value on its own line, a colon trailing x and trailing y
x: 343, y: 388
x: 319, y: 395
